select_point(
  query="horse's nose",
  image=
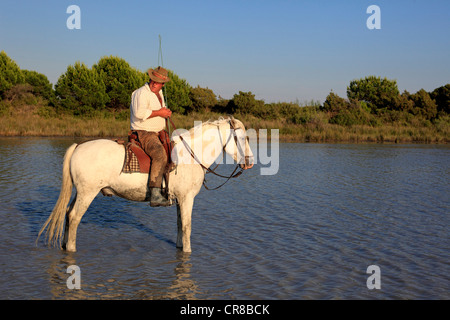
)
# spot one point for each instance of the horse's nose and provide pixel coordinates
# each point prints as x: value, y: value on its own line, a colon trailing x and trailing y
x: 248, y: 163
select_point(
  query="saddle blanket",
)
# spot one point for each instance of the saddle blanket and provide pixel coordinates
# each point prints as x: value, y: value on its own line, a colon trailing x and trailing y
x: 136, y: 160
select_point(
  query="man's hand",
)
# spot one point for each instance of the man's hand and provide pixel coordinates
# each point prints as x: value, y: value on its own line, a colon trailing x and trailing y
x: 163, y: 113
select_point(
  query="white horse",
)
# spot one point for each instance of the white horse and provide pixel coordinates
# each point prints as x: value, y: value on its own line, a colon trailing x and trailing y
x: 96, y: 165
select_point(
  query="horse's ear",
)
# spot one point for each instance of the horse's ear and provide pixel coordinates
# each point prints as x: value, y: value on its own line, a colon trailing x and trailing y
x: 232, y: 120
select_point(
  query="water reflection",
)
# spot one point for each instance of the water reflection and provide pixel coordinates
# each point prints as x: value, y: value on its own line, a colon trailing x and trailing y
x: 183, y: 286
x: 57, y: 273
x: 129, y: 284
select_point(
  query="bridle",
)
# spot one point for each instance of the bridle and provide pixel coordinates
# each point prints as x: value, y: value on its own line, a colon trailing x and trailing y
x: 234, y: 174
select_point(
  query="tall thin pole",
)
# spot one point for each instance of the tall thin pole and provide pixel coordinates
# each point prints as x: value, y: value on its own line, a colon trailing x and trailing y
x: 160, y: 55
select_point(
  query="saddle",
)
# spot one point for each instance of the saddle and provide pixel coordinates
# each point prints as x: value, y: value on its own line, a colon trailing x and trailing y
x: 137, y: 160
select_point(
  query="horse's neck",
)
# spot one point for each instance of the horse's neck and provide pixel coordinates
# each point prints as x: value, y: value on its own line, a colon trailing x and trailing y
x: 208, y: 143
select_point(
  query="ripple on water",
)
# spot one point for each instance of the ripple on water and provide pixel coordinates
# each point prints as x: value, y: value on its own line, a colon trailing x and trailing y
x: 309, y: 232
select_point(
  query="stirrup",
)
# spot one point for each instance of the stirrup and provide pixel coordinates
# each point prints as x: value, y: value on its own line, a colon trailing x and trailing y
x: 156, y: 205
x: 158, y: 200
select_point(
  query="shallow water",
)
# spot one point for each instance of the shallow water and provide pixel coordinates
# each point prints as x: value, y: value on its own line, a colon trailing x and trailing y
x: 308, y: 232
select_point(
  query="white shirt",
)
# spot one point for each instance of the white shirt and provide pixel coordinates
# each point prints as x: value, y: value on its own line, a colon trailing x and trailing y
x: 143, y: 102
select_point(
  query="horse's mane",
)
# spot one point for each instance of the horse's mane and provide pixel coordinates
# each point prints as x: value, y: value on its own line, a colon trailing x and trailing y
x: 200, y: 126
x: 217, y: 122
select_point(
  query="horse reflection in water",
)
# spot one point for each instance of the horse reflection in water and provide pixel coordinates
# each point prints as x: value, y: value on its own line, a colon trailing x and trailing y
x: 96, y: 166
x: 179, y: 285
x: 183, y: 286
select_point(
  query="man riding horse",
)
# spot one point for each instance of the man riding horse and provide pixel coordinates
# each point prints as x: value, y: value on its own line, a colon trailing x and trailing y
x: 148, y: 113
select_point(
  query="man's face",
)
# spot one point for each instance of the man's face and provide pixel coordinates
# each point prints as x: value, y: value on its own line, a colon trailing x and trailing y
x: 156, y: 86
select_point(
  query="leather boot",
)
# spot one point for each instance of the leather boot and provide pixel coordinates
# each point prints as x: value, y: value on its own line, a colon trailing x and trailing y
x: 157, y: 199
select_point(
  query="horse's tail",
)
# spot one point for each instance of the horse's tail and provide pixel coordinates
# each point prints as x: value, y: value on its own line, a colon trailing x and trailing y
x: 55, y: 221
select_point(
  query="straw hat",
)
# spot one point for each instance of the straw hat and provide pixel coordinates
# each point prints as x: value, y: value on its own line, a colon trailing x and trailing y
x: 158, y: 75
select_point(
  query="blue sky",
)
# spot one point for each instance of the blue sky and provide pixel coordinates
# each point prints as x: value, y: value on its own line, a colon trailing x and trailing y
x: 278, y: 50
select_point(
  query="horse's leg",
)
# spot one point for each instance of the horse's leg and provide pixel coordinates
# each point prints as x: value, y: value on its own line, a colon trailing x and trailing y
x: 184, y: 215
x: 66, y: 228
x: 179, y: 230
x: 73, y: 219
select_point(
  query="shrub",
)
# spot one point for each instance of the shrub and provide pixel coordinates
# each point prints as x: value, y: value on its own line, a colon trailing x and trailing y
x: 221, y: 105
x: 203, y: 99
x: 21, y: 92
x: 40, y: 84
x: 4, y: 108
x: 286, y: 109
x: 347, y: 113
x: 245, y: 103
x: 356, y: 116
x: 46, y: 112
x: 376, y: 92
x: 442, y: 97
x: 266, y: 111
x: 334, y: 104
x: 404, y: 103
x: 305, y: 115
x: 424, y: 105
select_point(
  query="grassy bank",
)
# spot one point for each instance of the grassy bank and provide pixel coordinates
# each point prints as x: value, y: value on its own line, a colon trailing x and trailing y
x: 31, y: 124
x: 39, y: 121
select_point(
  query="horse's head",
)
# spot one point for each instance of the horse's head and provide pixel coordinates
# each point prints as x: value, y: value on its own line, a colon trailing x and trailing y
x: 238, y: 145
x: 231, y: 137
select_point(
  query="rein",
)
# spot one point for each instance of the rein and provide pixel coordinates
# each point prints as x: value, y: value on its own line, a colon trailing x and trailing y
x: 234, y: 174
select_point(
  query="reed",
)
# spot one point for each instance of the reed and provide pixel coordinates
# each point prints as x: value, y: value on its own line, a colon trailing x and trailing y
x: 31, y: 124
x: 37, y: 122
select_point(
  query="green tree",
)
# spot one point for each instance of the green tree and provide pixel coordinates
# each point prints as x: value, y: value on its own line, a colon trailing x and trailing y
x: 10, y: 74
x: 334, y: 104
x: 221, y: 106
x: 120, y: 80
x: 442, y: 97
x: 203, y: 99
x: 245, y: 103
x: 424, y: 105
x: 81, y: 89
x: 287, y: 109
x: 355, y: 114
x: 404, y: 102
x: 376, y: 92
x: 347, y: 112
x: 177, y: 93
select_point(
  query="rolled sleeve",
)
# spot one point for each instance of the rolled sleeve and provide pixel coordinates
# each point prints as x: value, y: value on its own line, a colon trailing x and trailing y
x: 140, y: 105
